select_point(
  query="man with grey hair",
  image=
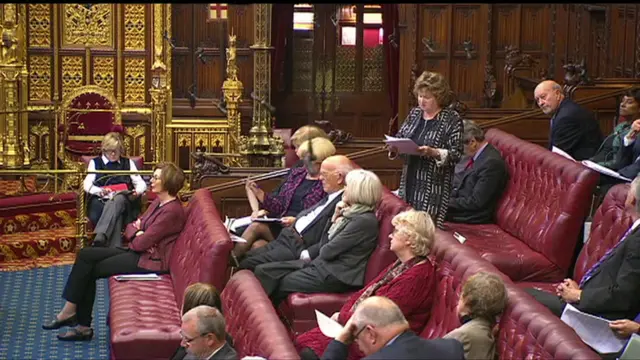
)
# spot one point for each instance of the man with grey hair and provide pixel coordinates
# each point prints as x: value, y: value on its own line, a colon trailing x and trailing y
x: 203, y: 335
x: 477, y: 189
x: 302, y: 239
x: 611, y: 287
x: 573, y: 128
x: 382, y: 332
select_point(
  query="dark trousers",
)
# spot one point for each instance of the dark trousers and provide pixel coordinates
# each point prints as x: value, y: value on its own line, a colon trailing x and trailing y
x: 551, y: 301
x: 279, y: 279
x: 92, y: 264
x: 287, y: 246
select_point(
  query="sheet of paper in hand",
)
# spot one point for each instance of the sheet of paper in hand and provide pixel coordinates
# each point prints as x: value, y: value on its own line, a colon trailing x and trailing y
x: 404, y: 146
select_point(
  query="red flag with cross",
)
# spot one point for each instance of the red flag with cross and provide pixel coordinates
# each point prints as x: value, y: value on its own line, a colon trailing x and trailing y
x: 218, y: 11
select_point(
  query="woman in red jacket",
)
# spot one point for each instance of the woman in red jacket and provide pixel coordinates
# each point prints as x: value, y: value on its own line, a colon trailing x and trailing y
x: 409, y: 282
x: 148, y: 252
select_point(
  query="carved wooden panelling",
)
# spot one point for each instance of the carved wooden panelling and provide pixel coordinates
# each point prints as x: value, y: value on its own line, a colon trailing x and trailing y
x: 39, y: 25
x: 39, y: 78
x: 506, y: 26
x: 532, y: 39
x: 434, y: 29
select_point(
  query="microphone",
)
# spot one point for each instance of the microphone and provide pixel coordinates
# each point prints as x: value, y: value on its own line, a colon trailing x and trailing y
x: 191, y: 95
x: 264, y: 103
x: 170, y: 41
x: 201, y: 56
x: 309, y: 158
x: 222, y: 106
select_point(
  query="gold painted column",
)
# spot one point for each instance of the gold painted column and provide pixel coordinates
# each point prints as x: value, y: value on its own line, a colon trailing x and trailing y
x: 160, y: 82
x: 267, y: 150
x: 12, y: 59
x: 232, y: 90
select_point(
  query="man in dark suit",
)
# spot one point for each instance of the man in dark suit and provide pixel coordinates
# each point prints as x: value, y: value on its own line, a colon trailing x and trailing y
x: 302, y: 239
x: 477, y: 189
x: 203, y: 335
x: 628, y: 156
x: 611, y: 287
x: 382, y: 332
x: 573, y: 128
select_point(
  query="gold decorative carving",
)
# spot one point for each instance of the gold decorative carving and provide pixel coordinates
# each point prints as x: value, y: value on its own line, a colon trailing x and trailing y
x: 133, y: 135
x: 72, y: 73
x: 40, y: 25
x: 40, y: 77
x: 345, y: 75
x: 232, y: 91
x: 10, y: 13
x: 184, y: 140
x: 103, y: 72
x: 373, y: 69
x: 39, y: 145
x: 134, y: 26
x: 88, y: 24
x: 158, y: 40
x: 134, y: 80
x: 302, y: 64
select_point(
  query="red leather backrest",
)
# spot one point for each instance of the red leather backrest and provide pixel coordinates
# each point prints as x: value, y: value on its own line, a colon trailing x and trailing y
x: 138, y: 160
x: 546, y: 199
x: 290, y: 157
x: 382, y: 256
x: 610, y: 222
x: 201, y: 253
x: 528, y: 330
x: 252, y: 321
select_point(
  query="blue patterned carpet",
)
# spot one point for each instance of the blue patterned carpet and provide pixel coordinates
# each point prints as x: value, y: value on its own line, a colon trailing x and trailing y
x: 29, y: 298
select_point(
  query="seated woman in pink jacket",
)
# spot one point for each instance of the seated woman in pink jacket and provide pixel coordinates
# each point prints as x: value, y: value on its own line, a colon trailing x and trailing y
x: 409, y: 282
x: 148, y: 252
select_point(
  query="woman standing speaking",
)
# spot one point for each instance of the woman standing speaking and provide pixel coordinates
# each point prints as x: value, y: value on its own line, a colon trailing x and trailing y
x: 426, y: 178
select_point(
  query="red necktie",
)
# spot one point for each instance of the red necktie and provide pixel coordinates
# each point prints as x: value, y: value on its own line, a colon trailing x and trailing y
x: 469, y: 164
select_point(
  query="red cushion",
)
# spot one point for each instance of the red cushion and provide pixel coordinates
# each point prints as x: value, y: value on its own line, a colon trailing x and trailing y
x: 44, y: 202
x: 252, y: 322
x: 146, y: 314
x: 544, y: 206
x: 509, y: 254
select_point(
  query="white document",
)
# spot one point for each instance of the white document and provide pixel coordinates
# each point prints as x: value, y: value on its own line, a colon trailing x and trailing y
x: 603, y: 170
x: 328, y: 326
x: 404, y: 146
x: 138, y: 277
x: 593, y: 330
x: 632, y: 351
x: 237, y: 239
x: 562, y: 153
x: 459, y: 237
x: 235, y: 223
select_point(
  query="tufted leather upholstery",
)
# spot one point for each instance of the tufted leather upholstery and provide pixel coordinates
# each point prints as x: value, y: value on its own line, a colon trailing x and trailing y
x: 144, y: 317
x: 35, y: 203
x: 299, y: 308
x: 610, y: 222
x: 252, y: 322
x: 526, y: 328
x: 539, y: 216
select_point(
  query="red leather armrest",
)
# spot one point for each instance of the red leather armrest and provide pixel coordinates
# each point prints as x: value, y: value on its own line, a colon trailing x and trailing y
x: 301, y: 306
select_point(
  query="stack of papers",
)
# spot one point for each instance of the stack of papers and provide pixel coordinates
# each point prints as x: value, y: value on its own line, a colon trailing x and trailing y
x: 138, y: 277
x: 593, y: 330
x: 404, y: 146
x: 591, y: 165
x: 328, y: 326
x: 233, y: 223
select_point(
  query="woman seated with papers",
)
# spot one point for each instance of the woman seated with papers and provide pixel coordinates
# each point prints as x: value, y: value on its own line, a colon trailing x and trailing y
x: 148, y: 252
x: 409, y: 282
x: 301, y: 190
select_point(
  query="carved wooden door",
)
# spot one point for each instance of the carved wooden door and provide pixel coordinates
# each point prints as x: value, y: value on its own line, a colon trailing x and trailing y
x: 336, y: 70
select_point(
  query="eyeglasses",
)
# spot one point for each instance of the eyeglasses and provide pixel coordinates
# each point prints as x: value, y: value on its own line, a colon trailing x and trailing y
x: 355, y: 337
x: 190, y: 340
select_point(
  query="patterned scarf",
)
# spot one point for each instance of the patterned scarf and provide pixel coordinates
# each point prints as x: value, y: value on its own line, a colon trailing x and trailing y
x: 347, y: 213
x: 398, y: 268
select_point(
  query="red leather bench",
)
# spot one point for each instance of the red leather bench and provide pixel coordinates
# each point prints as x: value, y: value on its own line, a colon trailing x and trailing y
x: 540, y: 213
x: 610, y: 222
x: 299, y: 309
x: 526, y: 330
x: 252, y: 321
x: 145, y: 316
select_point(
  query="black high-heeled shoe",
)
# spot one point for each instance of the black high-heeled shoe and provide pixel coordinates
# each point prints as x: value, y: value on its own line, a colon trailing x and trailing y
x: 76, y: 335
x: 57, y: 324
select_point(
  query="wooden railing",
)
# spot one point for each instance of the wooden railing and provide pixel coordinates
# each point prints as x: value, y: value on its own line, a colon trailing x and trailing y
x: 537, y: 112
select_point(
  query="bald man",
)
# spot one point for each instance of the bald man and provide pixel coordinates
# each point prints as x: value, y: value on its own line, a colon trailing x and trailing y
x: 573, y: 128
x: 382, y: 332
x: 302, y: 239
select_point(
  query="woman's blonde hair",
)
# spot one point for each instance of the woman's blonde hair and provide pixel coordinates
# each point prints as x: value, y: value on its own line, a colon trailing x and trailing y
x: 485, y: 296
x: 112, y: 142
x: 419, y: 228
x: 437, y: 85
x: 322, y: 148
x: 363, y: 187
x: 305, y: 133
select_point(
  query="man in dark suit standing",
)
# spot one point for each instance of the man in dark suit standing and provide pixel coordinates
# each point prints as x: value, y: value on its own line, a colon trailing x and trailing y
x: 611, y: 287
x: 382, y: 332
x: 204, y: 336
x: 303, y: 237
x: 477, y: 189
x: 573, y: 128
